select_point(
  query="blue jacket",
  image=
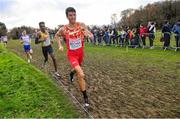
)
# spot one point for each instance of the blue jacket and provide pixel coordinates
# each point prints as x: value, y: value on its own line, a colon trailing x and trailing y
x: 106, y: 35
x: 166, y: 28
x: 176, y: 29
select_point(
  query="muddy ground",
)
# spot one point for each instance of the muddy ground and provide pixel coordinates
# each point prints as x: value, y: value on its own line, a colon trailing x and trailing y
x: 121, y: 83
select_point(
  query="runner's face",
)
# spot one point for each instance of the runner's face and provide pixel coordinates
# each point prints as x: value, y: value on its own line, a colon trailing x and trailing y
x: 42, y: 27
x: 71, y: 17
x: 24, y: 33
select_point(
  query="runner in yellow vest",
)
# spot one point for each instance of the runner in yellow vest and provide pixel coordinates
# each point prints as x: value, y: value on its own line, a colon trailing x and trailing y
x: 44, y: 38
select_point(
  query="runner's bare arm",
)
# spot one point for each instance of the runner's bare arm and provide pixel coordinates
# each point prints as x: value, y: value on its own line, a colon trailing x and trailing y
x: 86, y: 31
x: 58, y: 38
x: 21, y: 41
x: 40, y: 37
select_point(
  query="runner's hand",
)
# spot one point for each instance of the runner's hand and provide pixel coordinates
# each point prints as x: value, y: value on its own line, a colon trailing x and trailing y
x: 61, y: 48
x: 52, y: 42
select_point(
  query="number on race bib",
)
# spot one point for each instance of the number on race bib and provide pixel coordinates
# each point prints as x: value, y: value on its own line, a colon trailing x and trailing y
x: 75, y: 44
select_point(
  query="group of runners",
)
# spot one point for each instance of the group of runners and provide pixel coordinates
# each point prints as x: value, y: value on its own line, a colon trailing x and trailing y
x: 74, y: 34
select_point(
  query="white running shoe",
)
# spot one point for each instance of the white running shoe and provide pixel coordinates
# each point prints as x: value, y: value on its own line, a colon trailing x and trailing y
x: 45, y: 65
x: 57, y: 74
x: 71, y: 77
x: 86, y: 104
x: 152, y: 47
x: 30, y: 57
x: 29, y: 60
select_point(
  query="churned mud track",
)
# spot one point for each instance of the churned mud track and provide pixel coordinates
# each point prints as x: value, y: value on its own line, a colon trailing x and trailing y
x: 119, y: 87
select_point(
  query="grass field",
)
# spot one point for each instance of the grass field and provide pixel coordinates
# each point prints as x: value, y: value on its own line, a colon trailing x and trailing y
x: 26, y: 92
x: 121, y: 82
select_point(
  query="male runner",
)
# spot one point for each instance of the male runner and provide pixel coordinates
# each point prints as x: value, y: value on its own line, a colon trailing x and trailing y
x: 74, y: 33
x: 26, y: 41
x: 44, y: 38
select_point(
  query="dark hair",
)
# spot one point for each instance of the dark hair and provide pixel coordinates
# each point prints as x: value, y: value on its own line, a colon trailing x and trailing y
x: 41, y: 23
x: 166, y: 21
x: 70, y: 9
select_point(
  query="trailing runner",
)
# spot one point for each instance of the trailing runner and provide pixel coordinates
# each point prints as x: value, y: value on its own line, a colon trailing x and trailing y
x: 44, y: 38
x: 26, y: 41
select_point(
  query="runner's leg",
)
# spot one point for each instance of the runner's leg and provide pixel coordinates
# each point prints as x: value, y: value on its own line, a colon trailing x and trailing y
x: 45, y: 54
x: 71, y: 75
x: 82, y: 83
x: 54, y: 61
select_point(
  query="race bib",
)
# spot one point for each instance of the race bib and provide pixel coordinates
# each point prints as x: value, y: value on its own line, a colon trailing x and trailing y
x: 75, y: 44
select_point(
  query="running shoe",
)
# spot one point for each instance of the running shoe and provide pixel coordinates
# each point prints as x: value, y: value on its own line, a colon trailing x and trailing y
x: 71, y: 77
x: 86, y: 102
x: 57, y: 74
